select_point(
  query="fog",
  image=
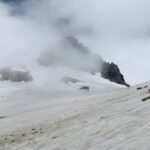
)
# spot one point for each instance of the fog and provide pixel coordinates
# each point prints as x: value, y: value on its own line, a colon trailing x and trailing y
x: 116, y: 30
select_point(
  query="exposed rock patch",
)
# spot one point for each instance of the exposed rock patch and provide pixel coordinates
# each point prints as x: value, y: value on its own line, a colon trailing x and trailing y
x: 15, y: 75
x: 112, y: 72
x: 146, y: 98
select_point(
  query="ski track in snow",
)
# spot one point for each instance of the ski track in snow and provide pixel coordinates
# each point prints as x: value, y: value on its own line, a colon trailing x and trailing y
x: 44, y: 119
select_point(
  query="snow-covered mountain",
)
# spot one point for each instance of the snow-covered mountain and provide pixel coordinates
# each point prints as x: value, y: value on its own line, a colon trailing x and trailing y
x: 61, y: 115
x: 54, y: 62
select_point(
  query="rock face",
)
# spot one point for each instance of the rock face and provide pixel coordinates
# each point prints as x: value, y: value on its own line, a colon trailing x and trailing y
x: 111, y: 72
x: 108, y: 71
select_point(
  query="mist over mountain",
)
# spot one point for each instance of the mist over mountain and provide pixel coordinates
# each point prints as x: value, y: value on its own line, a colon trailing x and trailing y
x: 32, y: 27
x: 71, y: 53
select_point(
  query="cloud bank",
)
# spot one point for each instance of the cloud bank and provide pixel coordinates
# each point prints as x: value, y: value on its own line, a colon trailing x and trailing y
x: 117, y: 30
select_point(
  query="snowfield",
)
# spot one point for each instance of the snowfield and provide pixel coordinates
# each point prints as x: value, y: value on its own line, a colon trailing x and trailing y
x: 50, y: 116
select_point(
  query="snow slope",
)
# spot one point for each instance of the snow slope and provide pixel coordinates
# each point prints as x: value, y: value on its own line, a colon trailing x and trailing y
x: 49, y: 116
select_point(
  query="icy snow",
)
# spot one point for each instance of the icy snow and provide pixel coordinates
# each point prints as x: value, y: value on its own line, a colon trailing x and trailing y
x: 53, y: 116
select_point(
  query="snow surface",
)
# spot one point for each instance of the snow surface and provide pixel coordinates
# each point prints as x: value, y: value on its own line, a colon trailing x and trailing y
x: 51, y: 116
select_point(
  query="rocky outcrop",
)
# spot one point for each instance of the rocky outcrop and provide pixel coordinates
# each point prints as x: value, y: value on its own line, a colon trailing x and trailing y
x: 14, y: 75
x: 72, y: 53
x: 112, y: 72
x: 108, y: 71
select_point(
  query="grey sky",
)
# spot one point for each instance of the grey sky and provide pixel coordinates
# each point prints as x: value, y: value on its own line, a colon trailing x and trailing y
x: 117, y: 30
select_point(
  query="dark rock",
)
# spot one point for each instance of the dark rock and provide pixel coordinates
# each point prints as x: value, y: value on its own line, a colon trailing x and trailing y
x: 12, y: 141
x: 23, y: 134
x: 54, y: 137
x: 112, y: 72
x: 33, y: 129
x: 139, y: 88
x: 145, y: 99
x: 35, y: 132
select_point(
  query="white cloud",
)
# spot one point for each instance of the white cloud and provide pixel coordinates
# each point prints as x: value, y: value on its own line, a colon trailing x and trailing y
x: 118, y: 30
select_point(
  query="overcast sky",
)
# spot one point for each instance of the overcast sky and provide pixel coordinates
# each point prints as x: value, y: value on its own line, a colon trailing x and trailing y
x: 117, y: 30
